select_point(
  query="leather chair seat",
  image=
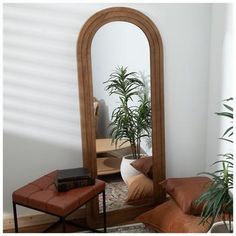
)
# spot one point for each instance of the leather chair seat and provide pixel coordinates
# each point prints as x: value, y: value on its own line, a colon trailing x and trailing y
x: 42, y: 195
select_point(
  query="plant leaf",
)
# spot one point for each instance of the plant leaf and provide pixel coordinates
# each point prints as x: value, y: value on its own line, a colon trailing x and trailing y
x: 228, y: 107
x: 229, y: 129
x: 228, y: 140
x: 226, y: 114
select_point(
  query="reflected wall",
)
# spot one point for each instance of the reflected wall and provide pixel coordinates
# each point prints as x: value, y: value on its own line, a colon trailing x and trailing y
x: 117, y: 44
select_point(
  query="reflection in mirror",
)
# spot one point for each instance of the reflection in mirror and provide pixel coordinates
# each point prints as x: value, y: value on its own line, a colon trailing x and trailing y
x: 117, y: 46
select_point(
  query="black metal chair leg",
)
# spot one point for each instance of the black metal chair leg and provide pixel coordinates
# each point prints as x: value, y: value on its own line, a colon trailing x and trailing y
x: 52, y: 226
x: 15, y: 217
x: 104, y: 211
x: 62, y: 219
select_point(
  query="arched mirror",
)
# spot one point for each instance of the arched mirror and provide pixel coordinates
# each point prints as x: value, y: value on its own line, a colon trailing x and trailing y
x: 117, y: 45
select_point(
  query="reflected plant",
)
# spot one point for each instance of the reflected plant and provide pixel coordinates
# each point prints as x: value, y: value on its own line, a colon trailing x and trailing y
x: 145, y: 98
x: 129, y: 123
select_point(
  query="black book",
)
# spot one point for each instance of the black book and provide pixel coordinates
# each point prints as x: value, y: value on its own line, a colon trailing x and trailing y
x: 65, y: 186
x: 72, y: 174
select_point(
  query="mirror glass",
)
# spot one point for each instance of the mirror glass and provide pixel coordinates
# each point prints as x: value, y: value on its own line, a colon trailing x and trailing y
x: 115, y: 46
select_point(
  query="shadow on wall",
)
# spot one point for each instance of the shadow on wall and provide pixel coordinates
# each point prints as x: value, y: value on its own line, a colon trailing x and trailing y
x: 103, y: 130
x: 26, y: 158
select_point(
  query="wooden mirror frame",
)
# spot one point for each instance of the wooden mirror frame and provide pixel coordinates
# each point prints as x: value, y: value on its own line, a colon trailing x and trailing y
x: 86, y: 90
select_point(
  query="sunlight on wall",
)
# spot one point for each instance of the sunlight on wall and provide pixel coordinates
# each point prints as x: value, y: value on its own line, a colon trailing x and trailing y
x: 40, y: 82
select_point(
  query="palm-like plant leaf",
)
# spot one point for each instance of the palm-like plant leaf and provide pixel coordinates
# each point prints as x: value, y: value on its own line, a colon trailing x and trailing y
x: 129, y: 123
x: 216, y: 199
x: 226, y: 139
x: 228, y: 107
x: 227, y: 131
x: 228, y: 99
x: 226, y: 114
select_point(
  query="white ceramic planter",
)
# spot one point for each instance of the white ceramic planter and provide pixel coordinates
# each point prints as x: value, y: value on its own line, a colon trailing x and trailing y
x: 126, y: 169
x: 219, y: 227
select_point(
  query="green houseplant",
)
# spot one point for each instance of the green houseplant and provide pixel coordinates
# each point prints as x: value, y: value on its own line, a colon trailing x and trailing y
x: 217, y: 199
x: 130, y: 122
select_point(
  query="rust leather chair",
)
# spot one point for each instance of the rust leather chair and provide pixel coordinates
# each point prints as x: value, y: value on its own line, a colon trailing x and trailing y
x: 42, y: 195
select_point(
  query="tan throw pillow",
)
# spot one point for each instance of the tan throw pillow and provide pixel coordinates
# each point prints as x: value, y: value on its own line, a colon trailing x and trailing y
x: 185, y: 191
x: 169, y: 218
x: 144, y: 165
x: 140, y: 189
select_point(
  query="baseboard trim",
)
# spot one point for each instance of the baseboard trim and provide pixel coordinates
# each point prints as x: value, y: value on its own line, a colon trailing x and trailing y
x: 36, y: 220
x: 28, y: 221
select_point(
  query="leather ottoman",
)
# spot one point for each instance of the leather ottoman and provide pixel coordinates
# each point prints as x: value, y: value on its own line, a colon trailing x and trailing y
x: 42, y: 195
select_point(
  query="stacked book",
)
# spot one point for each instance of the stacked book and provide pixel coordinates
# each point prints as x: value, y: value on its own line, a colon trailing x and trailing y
x: 73, y: 178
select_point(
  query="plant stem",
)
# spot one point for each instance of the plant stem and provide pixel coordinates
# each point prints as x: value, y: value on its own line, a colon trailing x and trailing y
x: 230, y: 225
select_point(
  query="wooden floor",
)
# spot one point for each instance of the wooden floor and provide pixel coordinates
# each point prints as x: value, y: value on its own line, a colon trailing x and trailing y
x: 41, y: 228
x: 57, y: 228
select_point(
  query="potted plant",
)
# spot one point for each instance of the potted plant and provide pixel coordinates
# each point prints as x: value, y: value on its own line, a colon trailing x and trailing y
x: 130, y: 122
x: 217, y: 199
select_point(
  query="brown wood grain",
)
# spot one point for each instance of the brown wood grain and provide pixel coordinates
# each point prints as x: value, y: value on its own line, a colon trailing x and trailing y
x: 114, y: 219
x: 86, y: 96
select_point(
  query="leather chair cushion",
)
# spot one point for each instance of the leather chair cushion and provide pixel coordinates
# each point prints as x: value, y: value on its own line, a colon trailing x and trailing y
x: 42, y: 195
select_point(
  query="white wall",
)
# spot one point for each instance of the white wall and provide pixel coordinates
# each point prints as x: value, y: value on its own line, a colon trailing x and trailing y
x: 41, y: 115
x: 220, y: 80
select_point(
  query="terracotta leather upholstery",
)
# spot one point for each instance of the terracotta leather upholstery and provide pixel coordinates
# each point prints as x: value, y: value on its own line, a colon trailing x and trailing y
x: 42, y: 195
x: 169, y: 218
